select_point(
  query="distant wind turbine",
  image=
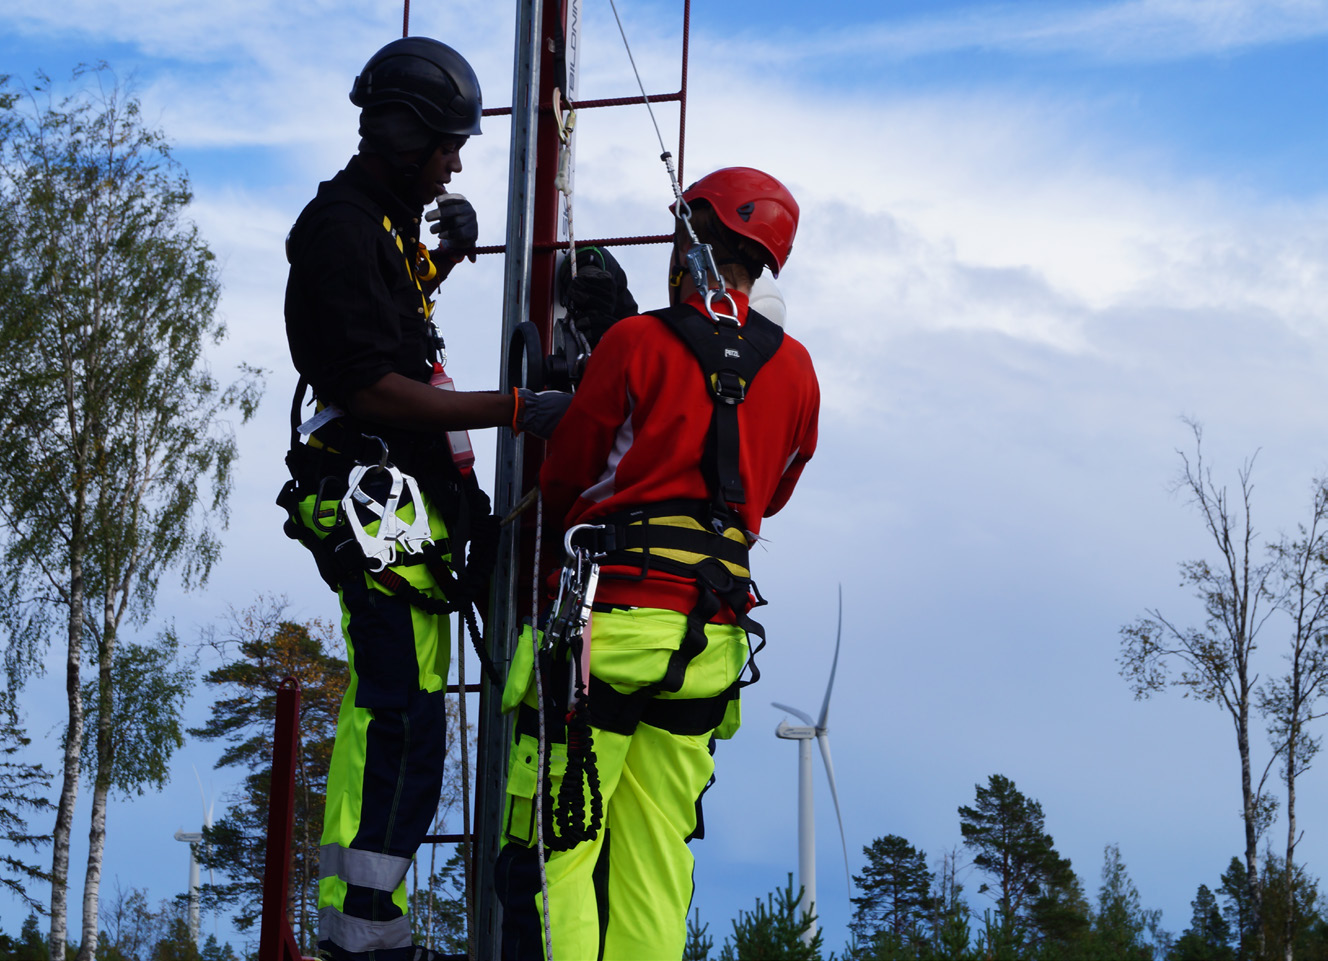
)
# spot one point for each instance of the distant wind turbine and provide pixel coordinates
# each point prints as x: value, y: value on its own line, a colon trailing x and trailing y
x: 193, y: 838
x: 803, y: 734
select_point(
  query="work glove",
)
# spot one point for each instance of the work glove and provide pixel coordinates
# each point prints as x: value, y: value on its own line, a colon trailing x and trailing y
x: 453, y: 221
x: 598, y: 296
x: 538, y: 413
x: 591, y: 300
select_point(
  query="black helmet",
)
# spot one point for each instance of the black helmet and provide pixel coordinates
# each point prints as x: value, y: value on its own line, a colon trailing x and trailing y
x: 430, y: 78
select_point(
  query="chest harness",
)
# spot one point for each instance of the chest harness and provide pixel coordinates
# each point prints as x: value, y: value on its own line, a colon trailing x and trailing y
x: 337, y: 462
x: 701, y: 540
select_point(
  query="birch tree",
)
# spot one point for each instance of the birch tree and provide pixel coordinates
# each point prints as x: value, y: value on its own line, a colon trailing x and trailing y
x: 1293, y: 700
x: 1214, y: 663
x: 115, y: 448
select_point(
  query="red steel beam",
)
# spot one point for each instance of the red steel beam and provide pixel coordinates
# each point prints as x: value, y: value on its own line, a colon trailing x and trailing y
x: 276, y: 941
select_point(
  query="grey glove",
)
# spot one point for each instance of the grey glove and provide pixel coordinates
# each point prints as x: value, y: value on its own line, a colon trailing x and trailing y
x: 455, y: 224
x: 539, y: 413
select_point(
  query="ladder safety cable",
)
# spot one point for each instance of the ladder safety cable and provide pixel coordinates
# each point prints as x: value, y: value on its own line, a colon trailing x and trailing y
x: 466, y: 847
x: 700, y: 259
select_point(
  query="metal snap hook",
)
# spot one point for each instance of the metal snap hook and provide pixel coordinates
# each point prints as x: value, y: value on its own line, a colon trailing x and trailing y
x: 382, y: 461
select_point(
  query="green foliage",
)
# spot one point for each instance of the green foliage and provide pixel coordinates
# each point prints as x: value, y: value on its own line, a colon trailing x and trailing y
x: 896, y: 891
x: 151, y: 688
x: 30, y: 945
x: 1120, y: 924
x: 438, y: 909
x: 23, y: 788
x: 116, y: 451
x: 1290, y: 903
x: 259, y: 648
x: 699, y: 943
x: 1208, y: 938
x: 773, y: 930
x: 1236, y: 908
x: 136, y: 931
x: 1037, y: 895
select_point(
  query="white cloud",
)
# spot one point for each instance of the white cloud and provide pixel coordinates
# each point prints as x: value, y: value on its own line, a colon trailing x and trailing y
x: 1127, y: 31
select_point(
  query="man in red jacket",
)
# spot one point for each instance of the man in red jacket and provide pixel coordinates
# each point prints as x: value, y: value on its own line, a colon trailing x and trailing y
x: 690, y: 426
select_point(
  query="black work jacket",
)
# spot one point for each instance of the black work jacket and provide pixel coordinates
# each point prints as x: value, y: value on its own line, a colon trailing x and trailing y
x: 354, y: 311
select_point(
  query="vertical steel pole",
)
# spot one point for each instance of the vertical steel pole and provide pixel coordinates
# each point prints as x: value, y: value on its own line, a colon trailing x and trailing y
x: 503, y: 625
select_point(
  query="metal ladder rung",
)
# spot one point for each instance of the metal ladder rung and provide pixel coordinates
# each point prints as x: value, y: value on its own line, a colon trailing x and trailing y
x: 445, y: 839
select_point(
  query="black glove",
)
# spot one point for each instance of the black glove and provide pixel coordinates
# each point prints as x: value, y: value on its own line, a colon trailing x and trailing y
x: 538, y: 413
x: 598, y: 297
x: 455, y: 224
x: 592, y: 297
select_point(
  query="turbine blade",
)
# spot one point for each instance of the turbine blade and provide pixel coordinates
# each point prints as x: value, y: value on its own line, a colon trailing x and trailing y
x: 839, y: 631
x: 795, y: 712
x: 834, y: 795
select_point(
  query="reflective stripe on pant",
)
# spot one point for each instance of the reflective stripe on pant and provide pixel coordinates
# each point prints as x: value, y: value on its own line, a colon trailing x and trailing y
x: 387, y: 762
x: 626, y: 893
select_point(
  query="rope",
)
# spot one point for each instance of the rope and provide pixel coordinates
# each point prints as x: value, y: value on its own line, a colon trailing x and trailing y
x: 543, y: 739
x: 465, y: 795
x: 563, y: 181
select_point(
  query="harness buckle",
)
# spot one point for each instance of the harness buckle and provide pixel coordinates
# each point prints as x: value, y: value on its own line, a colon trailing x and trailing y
x: 729, y: 387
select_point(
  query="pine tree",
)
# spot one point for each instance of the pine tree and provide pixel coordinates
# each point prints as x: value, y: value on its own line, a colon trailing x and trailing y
x: 1120, y: 922
x: 259, y: 648
x: 1037, y: 895
x: 1208, y: 938
x: 699, y: 943
x: 774, y: 930
x: 1237, y: 908
x: 896, y: 891
x: 23, y: 789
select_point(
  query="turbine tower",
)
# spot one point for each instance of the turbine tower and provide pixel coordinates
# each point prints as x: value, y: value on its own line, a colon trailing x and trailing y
x: 804, y: 734
x: 193, y: 838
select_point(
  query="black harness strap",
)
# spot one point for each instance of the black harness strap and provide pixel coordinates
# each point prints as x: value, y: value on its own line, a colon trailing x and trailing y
x: 730, y: 358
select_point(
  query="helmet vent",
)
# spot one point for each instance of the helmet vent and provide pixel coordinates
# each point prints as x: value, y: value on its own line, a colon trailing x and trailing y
x: 745, y: 211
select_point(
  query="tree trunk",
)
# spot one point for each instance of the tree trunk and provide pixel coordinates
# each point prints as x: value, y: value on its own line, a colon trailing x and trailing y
x: 87, y: 950
x: 1254, y: 888
x: 64, y: 817
x: 1293, y: 740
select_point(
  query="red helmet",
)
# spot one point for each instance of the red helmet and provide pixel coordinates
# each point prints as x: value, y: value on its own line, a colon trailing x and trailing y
x: 753, y: 204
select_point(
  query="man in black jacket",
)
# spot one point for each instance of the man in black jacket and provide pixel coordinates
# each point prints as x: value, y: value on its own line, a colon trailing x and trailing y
x: 382, y: 490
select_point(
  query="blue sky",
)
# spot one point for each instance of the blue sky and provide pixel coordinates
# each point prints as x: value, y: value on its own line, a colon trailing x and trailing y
x: 1034, y: 236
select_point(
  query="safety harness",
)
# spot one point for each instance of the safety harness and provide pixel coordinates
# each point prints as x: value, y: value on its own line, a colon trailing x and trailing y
x: 696, y: 539
x: 341, y: 463
x: 702, y: 540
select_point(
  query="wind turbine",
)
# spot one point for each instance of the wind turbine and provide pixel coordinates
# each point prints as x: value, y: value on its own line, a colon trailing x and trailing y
x: 196, y: 837
x: 804, y: 734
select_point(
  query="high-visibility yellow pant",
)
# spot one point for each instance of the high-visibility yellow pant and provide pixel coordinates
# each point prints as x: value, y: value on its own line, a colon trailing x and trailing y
x: 386, y: 768
x: 624, y: 894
